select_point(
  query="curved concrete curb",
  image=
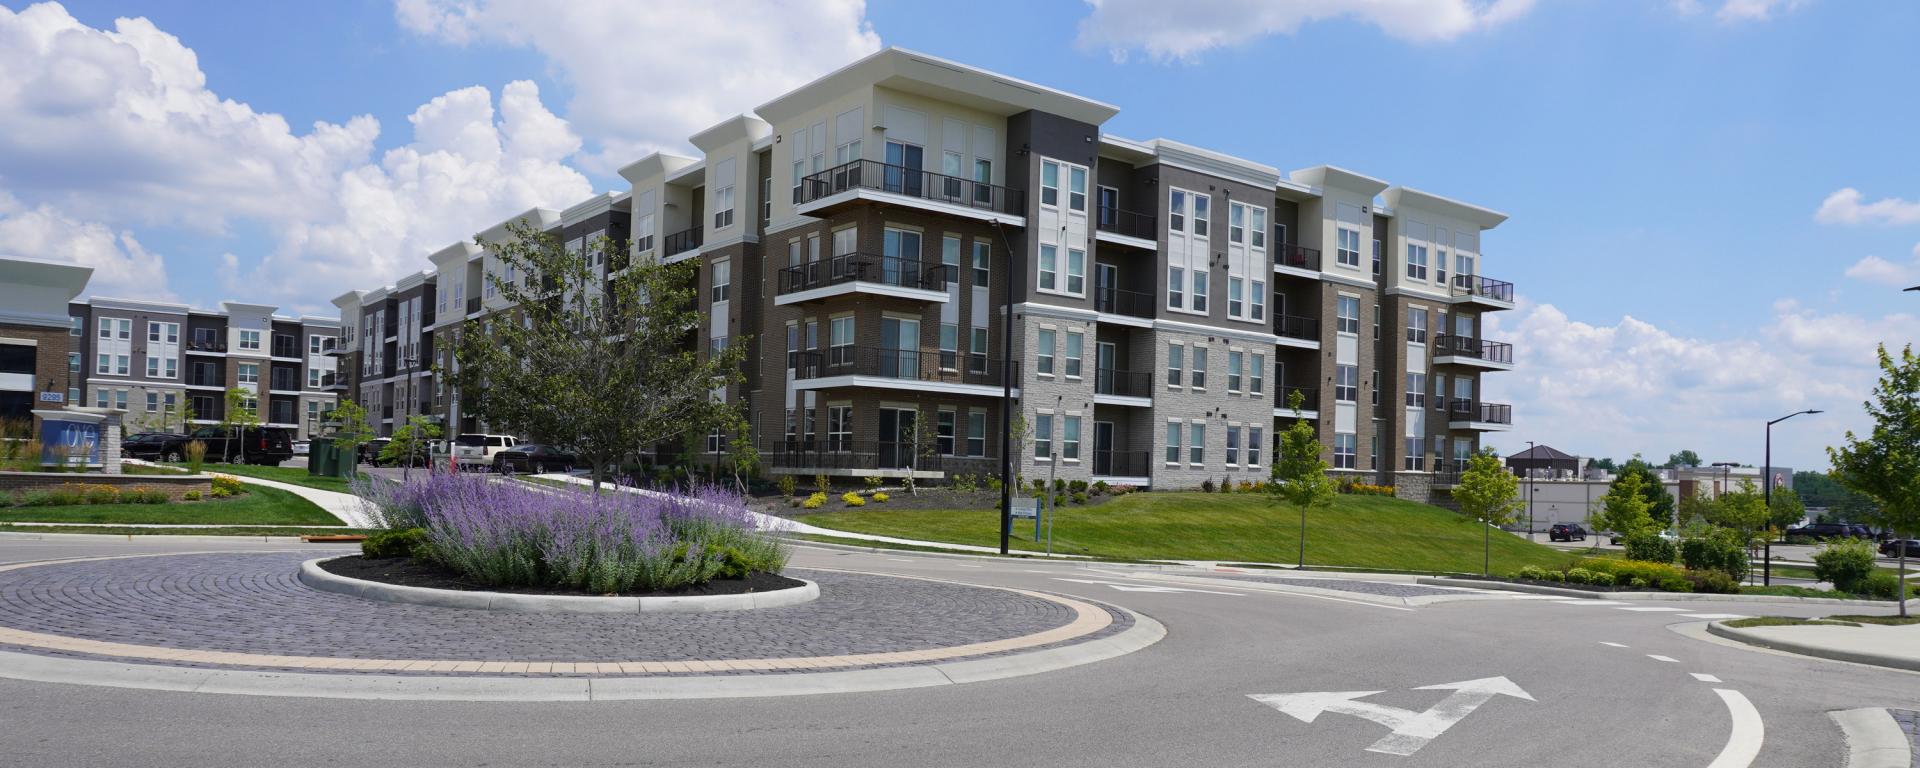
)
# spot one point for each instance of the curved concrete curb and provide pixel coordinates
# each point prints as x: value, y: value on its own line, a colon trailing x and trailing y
x: 312, y: 575
x: 56, y: 669
x: 1874, y: 738
x: 1680, y: 597
x: 1808, y: 649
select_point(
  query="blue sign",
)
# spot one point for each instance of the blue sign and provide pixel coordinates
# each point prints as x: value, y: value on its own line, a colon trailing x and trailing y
x: 53, y: 397
x: 65, y: 441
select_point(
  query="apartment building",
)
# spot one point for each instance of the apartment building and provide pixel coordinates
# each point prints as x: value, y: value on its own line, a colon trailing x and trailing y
x: 35, y: 372
x: 870, y: 235
x: 170, y: 365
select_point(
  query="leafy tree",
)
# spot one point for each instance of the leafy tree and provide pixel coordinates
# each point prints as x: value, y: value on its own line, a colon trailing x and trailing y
x: 1299, y: 473
x: 350, y: 431
x: 1696, y: 509
x: 1843, y: 504
x: 1624, y: 508
x: 603, y: 367
x: 1742, y: 509
x: 408, y: 441
x: 1885, y: 464
x: 1685, y: 458
x: 237, y: 420
x: 1489, y: 493
x: 1660, y: 504
x: 1604, y: 464
x: 1787, y: 510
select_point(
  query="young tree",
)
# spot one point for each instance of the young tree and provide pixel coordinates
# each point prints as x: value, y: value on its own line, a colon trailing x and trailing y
x: 1742, y: 509
x: 1299, y: 474
x: 1489, y: 493
x: 1787, y: 511
x: 1660, y: 504
x: 408, y: 441
x: 239, y: 418
x: 1885, y: 464
x: 600, y: 366
x: 350, y: 431
x: 1624, y: 508
x: 1685, y: 458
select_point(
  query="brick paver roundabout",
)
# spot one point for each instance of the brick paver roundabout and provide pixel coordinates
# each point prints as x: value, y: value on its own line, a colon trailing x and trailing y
x: 249, y: 611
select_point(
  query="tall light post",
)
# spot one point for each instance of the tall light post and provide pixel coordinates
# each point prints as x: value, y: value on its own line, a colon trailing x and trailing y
x: 1530, y: 490
x: 1766, y: 478
x: 1006, y: 393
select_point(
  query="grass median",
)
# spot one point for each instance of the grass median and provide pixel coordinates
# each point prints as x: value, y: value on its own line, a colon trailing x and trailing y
x: 1362, y: 531
x: 289, y: 475
x: 258, y: 506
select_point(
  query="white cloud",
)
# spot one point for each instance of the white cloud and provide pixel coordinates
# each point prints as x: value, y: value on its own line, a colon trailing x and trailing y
x: 648, y: 75
x: 1874, y: 269
x: 1611, y: 390
x: 1844, y: 207
x: 119, y: 127
x: 121, y: 266
x: 1184, y: 30
x: 1755, y: 10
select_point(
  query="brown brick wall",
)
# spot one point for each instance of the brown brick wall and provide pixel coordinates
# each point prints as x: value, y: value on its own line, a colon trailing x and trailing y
x: 50, y: 358
x: 21, y: 482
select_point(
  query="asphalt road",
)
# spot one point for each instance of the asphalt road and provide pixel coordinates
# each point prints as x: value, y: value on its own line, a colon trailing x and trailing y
x: 1598, y: 696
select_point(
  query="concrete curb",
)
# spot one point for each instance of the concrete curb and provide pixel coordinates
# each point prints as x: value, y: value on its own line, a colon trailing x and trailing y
x: 55, y: 669
x: 1656, y: 596
x: 1807, y: 649
x: 1018, y: 556
x: 312, y: 575
x: 1874, y: 739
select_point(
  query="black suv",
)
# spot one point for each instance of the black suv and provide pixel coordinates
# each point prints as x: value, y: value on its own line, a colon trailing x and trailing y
x: 1822, y: 531
x: 252, y: 445
x: 1566, y: 532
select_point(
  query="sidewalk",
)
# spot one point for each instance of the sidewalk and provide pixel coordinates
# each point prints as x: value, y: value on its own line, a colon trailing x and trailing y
x: 345, y: 507
x: 1883, y: 646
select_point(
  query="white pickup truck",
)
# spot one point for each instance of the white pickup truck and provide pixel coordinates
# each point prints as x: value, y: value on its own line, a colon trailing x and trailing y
x: 475, y: 449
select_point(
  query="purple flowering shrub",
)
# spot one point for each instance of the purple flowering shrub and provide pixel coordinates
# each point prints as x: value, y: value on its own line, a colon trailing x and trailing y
x: 508, y: 534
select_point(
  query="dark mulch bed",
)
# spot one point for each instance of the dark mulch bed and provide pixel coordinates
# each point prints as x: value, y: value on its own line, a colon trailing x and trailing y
x: 407, y: 572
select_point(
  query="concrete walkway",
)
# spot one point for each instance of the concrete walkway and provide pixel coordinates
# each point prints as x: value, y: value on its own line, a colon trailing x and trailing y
x: 1897, y: 647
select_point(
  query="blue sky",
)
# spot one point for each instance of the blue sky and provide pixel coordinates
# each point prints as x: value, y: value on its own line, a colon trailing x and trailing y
x: 1665, y: 162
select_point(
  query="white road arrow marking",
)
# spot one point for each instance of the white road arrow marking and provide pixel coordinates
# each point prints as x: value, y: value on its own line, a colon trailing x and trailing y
x: 1140, y: 588
x: 1411, y: 730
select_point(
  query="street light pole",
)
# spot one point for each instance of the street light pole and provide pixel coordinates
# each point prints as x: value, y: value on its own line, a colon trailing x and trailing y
x: 1766, y: 479
x: 1530, y: 458
x: 1006, y: 395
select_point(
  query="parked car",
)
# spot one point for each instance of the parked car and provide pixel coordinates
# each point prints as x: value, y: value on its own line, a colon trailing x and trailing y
x: 1892, y: 547
x: 532, y: 457
x: 1566, y: 532
x: 253, y: 445
x: 479, y: 449
x: 1824, y: 531
x: 369, y: 451
x: 302, y: 448
x: 374, y: 457
x: 1619, y: 539
x: 147, y: 445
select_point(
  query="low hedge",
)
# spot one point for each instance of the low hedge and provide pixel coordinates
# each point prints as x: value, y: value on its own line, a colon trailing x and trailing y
x: 1633, y: 575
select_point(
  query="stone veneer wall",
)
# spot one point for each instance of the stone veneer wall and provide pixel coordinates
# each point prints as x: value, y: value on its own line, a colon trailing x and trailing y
x: 176, y: 487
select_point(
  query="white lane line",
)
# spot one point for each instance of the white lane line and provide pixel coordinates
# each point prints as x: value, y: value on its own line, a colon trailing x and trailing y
x: 1034, y: 570
x: 1714, y: 615
x: 1590, y: 602
x: 1613, y: 645
x: 1651, y: 609
x: 899, y: 560
x: 1704, y: 678
x: 1743, y: 743
x: 1667, y: 659
x: 963, y: 565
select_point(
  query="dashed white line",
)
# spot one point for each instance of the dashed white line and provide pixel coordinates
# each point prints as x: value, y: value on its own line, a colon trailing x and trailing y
x: 1714, y: 615
x: 899, y: 560
x: 1652, y: 609
x: 964, y: 565
x: 1743, y: 744
x: 1590, y: 602
x: 1613, y: 645
x: 1667, y: 659
x: 1705, y: 678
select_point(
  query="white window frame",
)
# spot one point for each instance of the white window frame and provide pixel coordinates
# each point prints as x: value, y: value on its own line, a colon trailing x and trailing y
x: 1345, y: 321
x: 1076, y: 342
x: 1043, y: 346
x: 1348, y: 252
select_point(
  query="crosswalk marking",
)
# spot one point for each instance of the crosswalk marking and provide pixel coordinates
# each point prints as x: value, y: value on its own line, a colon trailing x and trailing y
x: 1612, y: 645
x: 1652, y: 609
x: 1704, y: 678
x: 1667, y: 659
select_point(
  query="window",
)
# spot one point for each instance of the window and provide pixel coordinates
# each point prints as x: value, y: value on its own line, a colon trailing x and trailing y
x: 980, y: 262
x: 153, y: 366
x: 982, y: 181
x: 73, y: 362
x: 1197, y: 445
x: 1043, y: 436
x: 106, y: 327
x: 1049, y: 183
x: 1201, y: 216
x: 1462, y: 269
x: 1373, y: 395
x: 125, y: 328
x: 1416, y: 261
x: 1439, y: 276
x: 1346, y: 383
x: 1376, y: 322
x: 1258, y: 369
x: 1348, y: 254
x: 977, y: 351
x: 120, y: 364
x: 1236, y: 304
x: 1415, y: 459
x: 249, y: 373
x: 1344, y: 447
x: 1376, y: 256
x: 900, y: 251
x: 949, y: 346
x: 1077, y: 189
x: 1258, y: 305
x: 1346, y: 314
x: 1257, y: 225
x: 1070, y: 435
x: 1199, y: 367
x: 839, y: 427
x: 76, y: 326
x: 313, y: 378
x: 103, y: 398
x: 249, y: 339
x: 1234, y: 361
x: 313, y: 344
x: 950, y: 258
x: 1075, y: 343
x: 1233, y: 446
x: 1173, y: 442
x: 722, y: 280
x: 1200, y: 290
x: 943, y: 442
x: 840, y: 341
x: 105, y: 364
x: 1236, y: 227
x: 1253, y: 446
x: 1176, y: 288
x: 1076, y: 271
x: 153, y: 332
x: 120, y: 399
x: 976, y: 433
x: 1439, y: 391
x: 1177, y: 211
x: 1049, y: 267
x: 1417, y: 326
x: 1174, y: 364
x: 1417, y: 390
x: 1043, y: 353
x: 153, y: 402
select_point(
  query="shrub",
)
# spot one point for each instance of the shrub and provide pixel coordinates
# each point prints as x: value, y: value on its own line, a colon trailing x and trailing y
x: 190, y: 496
x: 993, y: 483
x: 1676, y: 585
x: 786, y: 485
x: 1039, y: 485
x: 1600, y: 579
x: 1099, y: 487
x: 1124, y: 489
x: 1579, y: 576
x: 872, y: 483
x: 1080, y: 497
x: 144, y: 495
x: 880, y: 497
x: 1650, y: 548
x: 196, y: 455
x: 816, y: 501
x: 853, y: 499
x: 1206, y: 486
x: 405, y: 542
x: 1531, y: 573
x: 1846, y: 563
x: 36, y: 499
x: 229, y: 484
x: 1711, y: 581
x: 820, y: 483
x: 1059, y: 500
x: 1718, y: 550
x: 907, y: 484
x: 1636, y: 583
x: 1882, y: 585
x: 100, y: 494
x: 1077, y: 486
x: 966, y: 483
x: 1625, y: 572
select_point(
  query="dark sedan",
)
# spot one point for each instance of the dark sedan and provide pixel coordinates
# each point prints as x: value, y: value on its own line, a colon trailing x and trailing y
x: 1892, y: 547
x: 147, y: 445
x: 533, y: 457
x: 1566, y: 532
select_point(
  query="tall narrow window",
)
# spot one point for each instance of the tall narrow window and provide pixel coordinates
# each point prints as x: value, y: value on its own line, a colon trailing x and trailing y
x: 722, y: 280
x: 1235, y: 359
x: 950, y: 258
x: 1199, y: 367
x: 1236, y: 289
x: 1049, y: 267
x: 1177, y: 211
x: 1075, y: 342
x: 1236, y: 226
x: 1173, y: 442
x: 1076, y: 271
x: 1202, y: 217
x: 1376, y: 256
x: 1070, y: 437
x: 1253, y: 446
x: 1197, y: 444
x: 1344, y: 445
x: 1077, y: 189
x: 1233, y: 446
x: 949, y: 346
x: 1416, y: 261
x: 982, y: 181
x: 1346, y: 314
x: 1349, y: 253
x: 1176, y: 288
x: 1258, y: 305
x: 977, y: 351
x: 1416, y: 390
x: 1174, y: 363
x: 1258, y: 370
x: 1417, y: 326
x: 1346, y: 383
x: 841, y: 341
x: 1043, y: 353
x: 980, y: 261
x: 1043, y: 436
x: 944, y: 437
x: 976, y: 433
x: 1049, y: 183
x: 1415, y: 459
x: 1200, y: 290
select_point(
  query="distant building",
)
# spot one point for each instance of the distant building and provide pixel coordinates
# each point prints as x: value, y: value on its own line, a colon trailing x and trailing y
x: 34, y: 335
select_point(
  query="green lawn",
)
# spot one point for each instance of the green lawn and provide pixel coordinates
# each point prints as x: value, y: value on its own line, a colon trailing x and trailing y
x: 290, y: 475
x: 1362, y: 531
x: 258, y: 506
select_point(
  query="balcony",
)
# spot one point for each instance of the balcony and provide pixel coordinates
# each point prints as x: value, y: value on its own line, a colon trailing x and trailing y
x: 1293, y: 330
x: 904, y: 369
x: 210, y: 346
x: 1472, y: 352
x: 1481, y: 417
x: 1309, y: 402
x: 473, y: 305
x: 1483, y: 291
x: 1130, y: 467
x: 214, y: 378
x: 863, y: 273
x: 683, y: 241
x: 844, y: 186
x: 1295, y: 258
x: 1124, y: 227
x: 386, y: 413
x: 851, y: 458
x: 1112, y: 386
x: 1124, y: 303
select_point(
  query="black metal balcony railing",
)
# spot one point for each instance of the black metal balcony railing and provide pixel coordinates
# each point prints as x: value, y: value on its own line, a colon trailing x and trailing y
x: 1488, y: 413
x: 913, y: 364
x: 683, y: 241
x: 285, y: 349
x: 386, y: 411
x: 1443, y: 476
x: 473, y: 305
x: 1467, y: 346
x: 911, y: 182
x: 1296, y: 256
x: 1296, y: 326
x: 206, y: 379
x: 865, y: 267
x: 1121, y: 221
x: 1118, y: 301
x: 1483, y: 287
x: 207, y: 345
x: 829, y: 453
x: 1123, y: 463
x: 284, y: 382
x: 1112, y: 381
x: 1309, y: 397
